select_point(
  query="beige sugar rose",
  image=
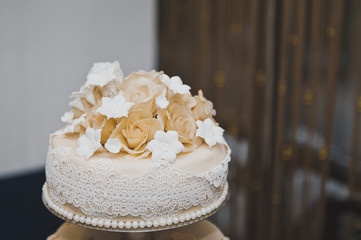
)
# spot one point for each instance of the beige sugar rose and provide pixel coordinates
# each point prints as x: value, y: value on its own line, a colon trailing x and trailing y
x: 203, y: 108
x: 142, y: 86
x: 179, y: 117
x: 98, y: 121
x: 185, y: 99
x: 135, y: 131
x: 87, y: 100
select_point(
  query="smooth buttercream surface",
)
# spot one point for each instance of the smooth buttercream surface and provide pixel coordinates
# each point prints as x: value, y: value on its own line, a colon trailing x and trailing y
x: 200, y: 160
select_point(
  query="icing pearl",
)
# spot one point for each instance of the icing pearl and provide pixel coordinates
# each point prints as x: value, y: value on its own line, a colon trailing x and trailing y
x: 128, y: 224
x: 121, y: 224
x: 162, y: 222
x: 175, y: 220
x: 76, y: 218
x: 155, y: 223
x: 193, y: 215
x: 69, y: 215
x: 64, y: 212
x: 94, y: 222
x: 82, y: 219
x: 169, y: 221
x: 114, y: 224
x: 188, y: 217
x: 60, y: 211
x: 204, y: 211
x: 148, y: 223
x: 198, y: 213
x: 100, y: 222
x: 88, y: 220
x: 182, y: 218
x: 141, y: 224
x: 107, y: 223
x: 208, y: 209
x: 135, y: 224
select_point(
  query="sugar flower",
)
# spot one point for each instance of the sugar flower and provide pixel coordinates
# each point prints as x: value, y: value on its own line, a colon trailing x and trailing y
x: 89, y: 143
x: 161, y: 102
x: 76, y: 103
x: 211, y: 133
x: 115, y: 107
x: 86, y: 92
x: 165, y: 146
x: 175, y: 84
x: 113, y: 145
x: 67, y: 117
x: 70, y: 128
x: 102, y: 73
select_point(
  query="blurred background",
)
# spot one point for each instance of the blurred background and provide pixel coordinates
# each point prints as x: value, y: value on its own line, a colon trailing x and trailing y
x: 285, y: 78
x: 46, y: 51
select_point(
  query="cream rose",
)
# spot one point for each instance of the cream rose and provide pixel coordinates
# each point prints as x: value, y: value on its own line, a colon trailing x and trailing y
x: 142, y: 86
x: 203, y: 108
x: 184, y: 99
x: 178, y: 117
x: 98, y: 121
x: 135, y: 131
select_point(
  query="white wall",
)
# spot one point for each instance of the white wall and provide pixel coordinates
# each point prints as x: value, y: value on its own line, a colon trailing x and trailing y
x: 46, y: 50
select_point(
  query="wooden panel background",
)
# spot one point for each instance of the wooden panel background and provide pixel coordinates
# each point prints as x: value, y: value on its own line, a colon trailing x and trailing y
x: 285, y: 79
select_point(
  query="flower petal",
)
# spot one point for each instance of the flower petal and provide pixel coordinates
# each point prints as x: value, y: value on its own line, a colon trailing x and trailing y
x: 113, y: 145
x: 102, y: 73
x: 116, y: 107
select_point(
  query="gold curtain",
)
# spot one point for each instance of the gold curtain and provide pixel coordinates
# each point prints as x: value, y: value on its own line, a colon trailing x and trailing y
x: 285, y: 78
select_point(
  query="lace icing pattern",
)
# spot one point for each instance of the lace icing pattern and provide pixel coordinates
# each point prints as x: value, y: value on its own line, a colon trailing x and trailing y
x: 99, y: 191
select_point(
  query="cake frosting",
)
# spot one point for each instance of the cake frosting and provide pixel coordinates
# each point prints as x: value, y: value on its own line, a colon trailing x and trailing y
x: 136, y: 152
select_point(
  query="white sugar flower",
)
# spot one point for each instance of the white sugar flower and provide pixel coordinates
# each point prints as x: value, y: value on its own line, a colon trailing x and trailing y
x: 89, y: 143
x: 86, y: 92
x: 165, y: 146
x: 113, y: 145
x: 67, y: 117
x: 115, y: 107
x: 175, y: 84
x: 161, y: 102
x: 102, y: 73
x: 211, y: 133
x: 77, y: 104
x: 70, y: 128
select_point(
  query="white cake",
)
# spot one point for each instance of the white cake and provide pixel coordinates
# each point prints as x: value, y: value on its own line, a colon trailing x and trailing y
x: 138, y: 152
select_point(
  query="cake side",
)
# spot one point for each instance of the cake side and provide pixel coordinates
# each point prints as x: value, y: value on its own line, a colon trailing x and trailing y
x: 95, y: 187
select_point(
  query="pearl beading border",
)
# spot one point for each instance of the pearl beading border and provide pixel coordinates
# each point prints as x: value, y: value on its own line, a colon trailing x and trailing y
x: 132, y: 225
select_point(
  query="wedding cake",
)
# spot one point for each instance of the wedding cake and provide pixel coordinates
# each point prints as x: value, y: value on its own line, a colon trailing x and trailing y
x: 137, y: 152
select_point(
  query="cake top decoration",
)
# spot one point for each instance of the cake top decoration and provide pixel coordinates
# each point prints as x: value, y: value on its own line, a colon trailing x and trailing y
x: 144, y: 114
x: 115, y: 107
